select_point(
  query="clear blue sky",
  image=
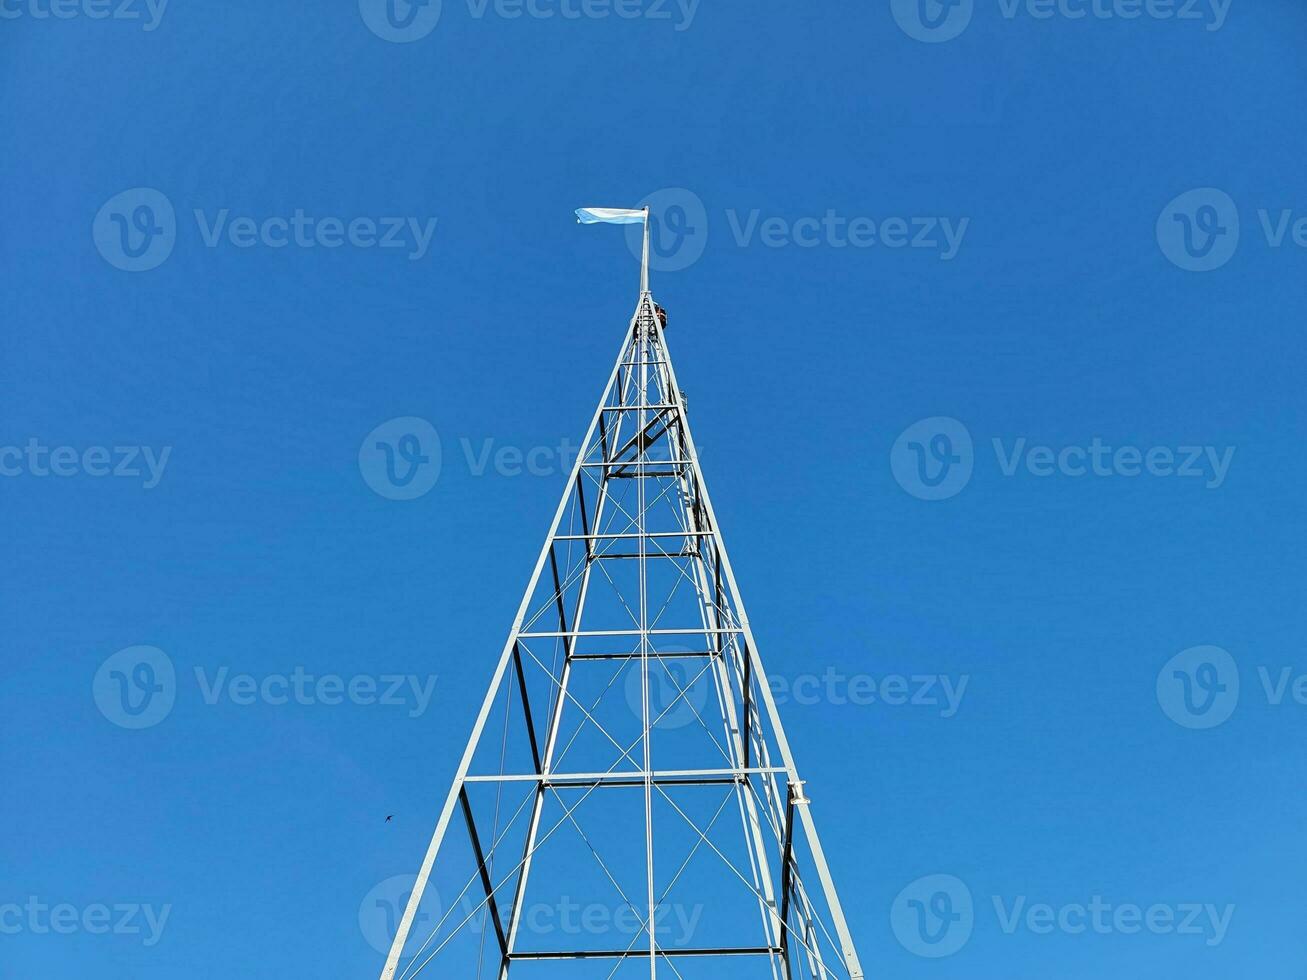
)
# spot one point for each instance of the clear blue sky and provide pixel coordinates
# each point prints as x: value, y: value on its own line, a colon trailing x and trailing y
x: 1074, y: 302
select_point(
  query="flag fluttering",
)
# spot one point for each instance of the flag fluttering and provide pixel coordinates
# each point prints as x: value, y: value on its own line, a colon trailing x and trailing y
x: 609, y: 216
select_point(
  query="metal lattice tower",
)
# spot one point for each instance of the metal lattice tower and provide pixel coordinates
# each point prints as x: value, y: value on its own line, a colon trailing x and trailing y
x: 629, y: 750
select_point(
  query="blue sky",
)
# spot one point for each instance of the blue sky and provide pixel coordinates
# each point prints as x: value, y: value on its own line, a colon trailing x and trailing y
x: 989, y: 316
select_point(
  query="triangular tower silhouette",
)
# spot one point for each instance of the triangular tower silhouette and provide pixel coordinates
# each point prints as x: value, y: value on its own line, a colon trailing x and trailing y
x: 630, y: 802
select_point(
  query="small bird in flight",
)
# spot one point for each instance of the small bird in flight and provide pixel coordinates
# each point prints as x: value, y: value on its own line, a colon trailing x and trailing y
x: 390, y: 818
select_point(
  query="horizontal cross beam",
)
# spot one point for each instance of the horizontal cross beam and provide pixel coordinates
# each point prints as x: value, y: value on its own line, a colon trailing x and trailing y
x: 588, y: 778
x: 688, y: 631
x: 633, y: 534
x: 626, y: 463
x: 653, y: 655
x: 617, y: 954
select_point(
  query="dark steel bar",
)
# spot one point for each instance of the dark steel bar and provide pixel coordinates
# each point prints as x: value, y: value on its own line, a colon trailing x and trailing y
x: 585, y: 520
x: 657, y: 475
x: 671, y: 655
x: 646, y: 437
x: 485, y: 874
x: 626, y: 463
x: 786, y: 875
x: 603, y: 435
x: 526, y: 707
x: 558, y: 589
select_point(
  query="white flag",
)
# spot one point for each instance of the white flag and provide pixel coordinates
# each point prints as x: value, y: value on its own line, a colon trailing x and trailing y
x: 611, y: 216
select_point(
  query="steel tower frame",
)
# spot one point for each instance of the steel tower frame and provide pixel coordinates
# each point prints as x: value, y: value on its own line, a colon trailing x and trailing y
x: 639, y: 433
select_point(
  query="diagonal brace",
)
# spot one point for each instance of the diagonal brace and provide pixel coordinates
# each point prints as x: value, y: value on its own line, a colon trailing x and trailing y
x: 485, y: 874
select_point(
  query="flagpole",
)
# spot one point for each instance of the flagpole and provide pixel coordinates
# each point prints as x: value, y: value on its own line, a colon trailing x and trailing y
x: 618, y: 216
x: 644, y: 262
